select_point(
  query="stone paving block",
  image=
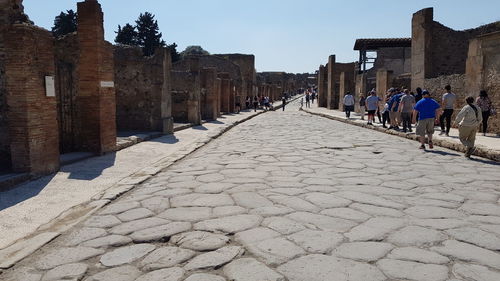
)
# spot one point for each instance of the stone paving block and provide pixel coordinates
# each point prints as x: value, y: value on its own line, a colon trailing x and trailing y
x: 323, y: 222
x: 321, y: 267
x: 166, y: 257
x: 324, y: 200
x: 200, y: 240
x: 413, y: 271
x: 251, y: 200
x: 275, y: 251
x: 346, y: 213
x: 156, y: 204
x: 476, y: 236
x: 106, y: 241
x: 187, y: 214
x: 440, y: 224
x: 429, y: 212
x: 416, y: 236
x: 102, y: 221
x: 475, y: 272
x: 469, y: 253
x: 201, y: 200
x: 486, y: 209
x: 117, y: 208
x: 205, y: 277
x: 417, y: 255
x: 228, y: 211
x: 231, y: 224
x: 363, y: 251
x: 67, y: 271
x: 315, y: 241
x: 127, y: 254
x: 60, y: 256
x: 18, y: 251
x: 295, y: 203
x: 374, y: 229
x: 250, y: 236
x: 213, y: 187
x: 22, y: 273
x: 131, y: 226
x: 283, y: 225
x: 214, y: 177
x: 168, y: 274
x: 82, y: 235
x: 272, y: 211
x: 135, y: 214
x: 248, y: 269
x: 160, y: 232
x: 369, y: 199
x: 122, y: 273
x: 377, y: 211
x: 171, y: 192
x: 215, y: 258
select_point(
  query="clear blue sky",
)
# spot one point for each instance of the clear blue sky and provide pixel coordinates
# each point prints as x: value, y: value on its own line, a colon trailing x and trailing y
x: 284, y: 35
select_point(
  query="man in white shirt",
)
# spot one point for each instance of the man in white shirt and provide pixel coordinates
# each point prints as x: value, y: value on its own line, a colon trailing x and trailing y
x: 348, y: 104
x: 447, y: 103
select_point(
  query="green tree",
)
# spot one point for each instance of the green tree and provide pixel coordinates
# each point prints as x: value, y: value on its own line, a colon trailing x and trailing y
x: 126, y: 35
x: 173, y: 52
x: 148, y: 35
x: 65, y: 23
x: 194, y: 50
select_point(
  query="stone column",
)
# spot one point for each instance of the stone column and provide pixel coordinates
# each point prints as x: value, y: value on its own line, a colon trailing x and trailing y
x: 218, y: 89
x: 421, y: 47
x: 166, y: 94
x: 225, y: 91
x: 384, y: 78
x: 96, y: 92
x: 209, y: 104
x: 232, y: 95
x: 360, y: 89
x: 332, y: 95
x: 322, y: 86
x: 194, y: 99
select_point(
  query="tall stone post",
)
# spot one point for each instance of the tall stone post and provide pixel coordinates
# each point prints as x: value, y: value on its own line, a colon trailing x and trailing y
x: 322, y: 86
x: 346, y: 85
x: 359, y: 89
x: 96, y: 92
x: 209, y: 104
x: 232, y: 95
x: 218, y: 89
x: 384, y: 78
x: 225, y: 91
x: 421, y: 47
x: 166, y: 94
x: 332, y: 95
x: 194, y: 100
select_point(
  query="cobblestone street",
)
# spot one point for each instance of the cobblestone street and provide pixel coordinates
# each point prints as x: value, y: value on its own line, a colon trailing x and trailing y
x: 292, y: 196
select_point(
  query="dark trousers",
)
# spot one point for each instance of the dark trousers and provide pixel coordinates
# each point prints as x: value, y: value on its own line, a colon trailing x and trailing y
x: 379, y: 116
x: 385, y: 118
x: 406, y: 116
x: 348, y: 109
x: 486, y: 116
x: 446, y: 115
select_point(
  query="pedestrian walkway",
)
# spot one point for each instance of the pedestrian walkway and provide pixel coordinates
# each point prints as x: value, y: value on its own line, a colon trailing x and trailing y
x: 486, y: 146
x: 31, y: 205
x: 291, y: 196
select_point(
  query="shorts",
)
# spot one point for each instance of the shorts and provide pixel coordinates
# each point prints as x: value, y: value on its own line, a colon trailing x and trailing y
x: 425, y: 126
x: 371, y: 112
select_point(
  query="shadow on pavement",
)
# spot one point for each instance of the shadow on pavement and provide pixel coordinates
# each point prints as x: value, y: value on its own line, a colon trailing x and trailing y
x: 442, y: 152
x: 484, y: 161
x: 23, y: 192
x: 89, y: 170
x: 167, y: 139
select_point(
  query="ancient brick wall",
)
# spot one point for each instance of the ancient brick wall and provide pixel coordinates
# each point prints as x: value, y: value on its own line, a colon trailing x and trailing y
x: 32, y: 115
x: 138, y: 82
x: 208, y: 94
x: 397, y: 59
x: 246, y: 64
x: 186, y: 90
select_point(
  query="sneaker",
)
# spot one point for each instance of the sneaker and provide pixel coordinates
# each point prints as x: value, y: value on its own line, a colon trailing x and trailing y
x: 422, y: 147
x: 431, y: 145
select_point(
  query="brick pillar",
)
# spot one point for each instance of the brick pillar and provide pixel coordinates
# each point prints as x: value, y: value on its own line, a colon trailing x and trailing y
x: 218, y: 89
x: 421, y: 47
x: 96, y: 92
x: 225, y: 91
x: 332, y: 97
x: 194, y: 99
x: 166, y: 94
x: 209, y: 104
x: 360, y: 89
x: 384, y: 78
x: 31, y: 115
x: 346, y: 85
x: 322, y: 86
x: 232, y: 95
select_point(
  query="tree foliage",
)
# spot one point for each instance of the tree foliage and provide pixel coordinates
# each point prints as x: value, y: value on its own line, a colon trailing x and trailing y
x: 148, y: 35
x: 173, y: 52
x: 65, y: 23
x: 194, y: 50
x: 126, y: 35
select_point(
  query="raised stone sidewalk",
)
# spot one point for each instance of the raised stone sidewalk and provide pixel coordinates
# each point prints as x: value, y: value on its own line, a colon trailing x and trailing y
x: 486, y: 146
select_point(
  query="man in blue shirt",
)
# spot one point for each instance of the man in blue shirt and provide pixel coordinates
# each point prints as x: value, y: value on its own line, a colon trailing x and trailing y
x: 427, y: 109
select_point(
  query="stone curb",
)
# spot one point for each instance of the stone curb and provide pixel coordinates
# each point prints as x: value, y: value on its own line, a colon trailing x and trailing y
x: 18, y: 250
x: 479, y: 151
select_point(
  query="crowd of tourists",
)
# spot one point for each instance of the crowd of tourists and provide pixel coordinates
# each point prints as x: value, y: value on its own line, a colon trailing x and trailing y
x: 400, y: 109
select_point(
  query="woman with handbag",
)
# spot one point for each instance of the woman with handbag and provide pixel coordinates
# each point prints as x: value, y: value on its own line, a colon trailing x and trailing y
x: 487, y: 110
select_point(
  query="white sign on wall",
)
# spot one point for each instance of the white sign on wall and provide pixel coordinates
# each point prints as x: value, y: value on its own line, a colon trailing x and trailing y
x: 50, y: 89
x: 107, y: 84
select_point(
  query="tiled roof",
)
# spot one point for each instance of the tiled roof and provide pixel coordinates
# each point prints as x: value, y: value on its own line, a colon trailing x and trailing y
x: 375, y: 43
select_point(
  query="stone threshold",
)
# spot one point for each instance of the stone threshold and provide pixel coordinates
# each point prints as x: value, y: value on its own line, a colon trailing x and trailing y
x: 480, y: 150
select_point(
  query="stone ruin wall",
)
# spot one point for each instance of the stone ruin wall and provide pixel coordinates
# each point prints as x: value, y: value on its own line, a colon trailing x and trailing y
x: 246, y: 64
x: 138, y: 82
x: 397, y: 59
x: 457, y: 82
x: 182, y: 82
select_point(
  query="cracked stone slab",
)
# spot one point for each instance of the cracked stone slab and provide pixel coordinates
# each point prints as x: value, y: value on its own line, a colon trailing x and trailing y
x: 126, y: 254
x: 369, y: 199
x: 122, y: 273
x: 413, y: 271
x: 23, y: 273
x: 430, y: 212
x: 135, y: 214
x: 295, y: 203
x: 231, y: 224
x: 192, y: 214
x: 324, y: 200
x: 283, y: 225
x: 376, y: 210
x: 374, y: 229
x: 248, y: 269
x: 440, y: 224
x: 250, y: 236
x: 200, y: 240
x: 131, y: 226
x: 18, y: 251
x: 469, y: 253
x: 417, y: 255
x: 156, y: 204
x: 201, y: 200
x: 275, y: 251
x: 416, y: 236
x: 102, y: 221
x: 346, y: 213
x: 475, y: 272
x: 251, y: 200
x: 484, y: 209
x: 166, y: 257
x: 65, y: 255
x: 225, y: 211
x: 67, y: 271
x: 106, y: 241
x: 272, y: 211
x: 167, y: 274
x: 117, y: 208
x: 321, y: 267
x: 322, y: 222
x: 205, y: 277
x: 363, y: 251
x: 160, y: 232
x: 82, y: 235
x: 214, y: 259
x: 315, y: 241
x: 476, y: 236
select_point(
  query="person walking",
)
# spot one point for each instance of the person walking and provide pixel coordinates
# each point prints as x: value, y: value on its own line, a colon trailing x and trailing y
x: 484, y: 102
x: 385, y: 111
x: 313, y: 96
x: 348, y: 104
x: 394, y: 113
x: 427, y: 109
x: 283, y: 102
x: 468, y: 120
x: 308, y: 100
x: 362, y: 106
x: 372, y: 106
x: 406, y: 108
x: 255, y: 103
x: 247, y: 102
x: 448, y: 103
